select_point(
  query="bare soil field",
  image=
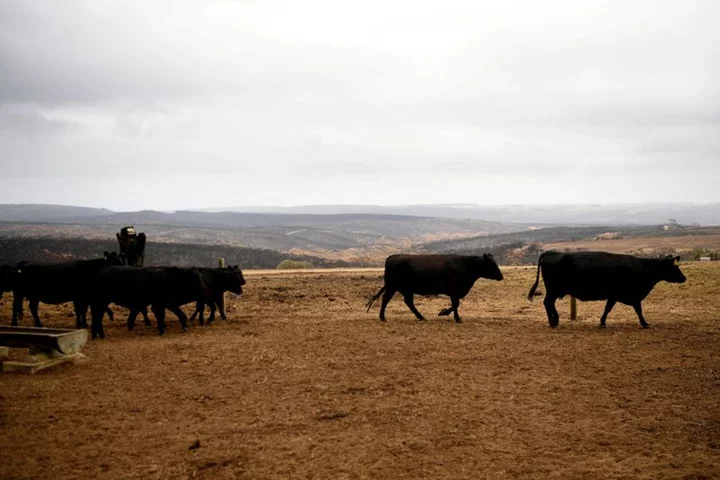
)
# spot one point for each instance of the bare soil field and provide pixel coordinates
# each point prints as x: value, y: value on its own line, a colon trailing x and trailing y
x: 648, y: 244
x: 300, y: 382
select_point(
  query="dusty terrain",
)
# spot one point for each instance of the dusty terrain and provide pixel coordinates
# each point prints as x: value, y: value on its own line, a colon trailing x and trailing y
x: 301, y: 383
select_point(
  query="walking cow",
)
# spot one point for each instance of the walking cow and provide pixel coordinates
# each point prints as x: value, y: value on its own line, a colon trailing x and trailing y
x: 218, y: 281
x: 56, y: 283
x: 139, y: 287
x: 452, y: 275
x: 602, y: 276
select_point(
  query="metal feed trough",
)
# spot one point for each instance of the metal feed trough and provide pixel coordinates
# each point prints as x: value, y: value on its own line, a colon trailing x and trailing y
x: 33, y: 349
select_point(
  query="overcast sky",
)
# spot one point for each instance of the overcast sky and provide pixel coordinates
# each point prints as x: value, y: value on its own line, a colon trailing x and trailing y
x: 181, y: 104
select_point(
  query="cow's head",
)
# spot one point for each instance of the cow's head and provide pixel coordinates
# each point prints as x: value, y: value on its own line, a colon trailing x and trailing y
x: 490, y: 267
x: 112, y: 259
x: 236, y: 279
x: 670, y: 269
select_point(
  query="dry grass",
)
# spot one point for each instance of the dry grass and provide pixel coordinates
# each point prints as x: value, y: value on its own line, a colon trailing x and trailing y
x: 301, y: 383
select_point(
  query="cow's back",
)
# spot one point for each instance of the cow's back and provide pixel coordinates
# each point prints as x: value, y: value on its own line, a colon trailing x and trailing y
x: 143, y: 286
x: 423, y: 274
x: 51, y: 283
x: 594, y: 275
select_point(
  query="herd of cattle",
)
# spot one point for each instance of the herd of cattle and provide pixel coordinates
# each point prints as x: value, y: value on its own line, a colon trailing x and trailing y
x: 95, y: 284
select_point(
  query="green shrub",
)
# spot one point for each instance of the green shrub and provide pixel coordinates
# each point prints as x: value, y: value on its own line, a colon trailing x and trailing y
x: 704, y: 252
x: 294, y: 264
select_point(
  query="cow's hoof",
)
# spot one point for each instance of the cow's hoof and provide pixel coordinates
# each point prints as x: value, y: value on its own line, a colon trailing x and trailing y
x: 602, y: 325
x: 444, y: 312
x: 646, y: 325
x: 553, y: 325
x: 458, y: 320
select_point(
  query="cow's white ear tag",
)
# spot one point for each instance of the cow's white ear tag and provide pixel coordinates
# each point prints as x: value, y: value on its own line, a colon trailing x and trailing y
x: 676, y: 262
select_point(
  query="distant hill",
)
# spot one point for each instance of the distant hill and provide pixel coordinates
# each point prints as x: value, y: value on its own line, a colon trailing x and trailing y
x: 47, y: 213
x: 541, y: 236
x: 14, y: 250
x: 282, y: 232
x: 620, y: 214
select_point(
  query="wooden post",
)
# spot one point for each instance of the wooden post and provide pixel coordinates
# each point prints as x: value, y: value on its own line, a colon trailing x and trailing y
x: 573, y: 308
x: 221, y: 307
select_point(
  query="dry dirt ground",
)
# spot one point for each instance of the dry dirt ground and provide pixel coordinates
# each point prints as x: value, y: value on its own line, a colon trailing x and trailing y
x: 301, y: 383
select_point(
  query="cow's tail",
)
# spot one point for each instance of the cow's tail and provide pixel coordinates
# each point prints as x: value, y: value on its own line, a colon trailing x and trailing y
x: 532, y: 293
x: 372, y: 300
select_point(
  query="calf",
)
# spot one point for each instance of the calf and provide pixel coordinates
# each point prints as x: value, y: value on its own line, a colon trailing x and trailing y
x: 218, y: 281
x: 602, y: 276
x: 137, y: 288
x: 452, y: 275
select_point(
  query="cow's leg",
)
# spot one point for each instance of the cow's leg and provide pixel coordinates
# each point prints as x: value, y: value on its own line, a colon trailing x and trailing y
x: 34, y: 311
x: 219, y: 305
x: 387, y: 296
x: 411, y: 305
x: 220, y: 302
x: 213, y: 308
x: 200, y: 310
x: 181, y: 317
x: 608, y: 306
x: 552, y: 313
x: 80, y: 315
x: 17, y: 307
x: 131, y: 319
x: 455, y: 305
x: 146, y: 319
x: 638, y: 310
x: 159, y: 312
x: 110, y: 314
x: 96, y: 328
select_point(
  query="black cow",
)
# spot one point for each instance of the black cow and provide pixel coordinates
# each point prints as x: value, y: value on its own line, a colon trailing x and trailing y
x: 602, y: 276
x: 56, y: 283
x: 137, y: 288
x: 218, y: 281
x: 452, y: 275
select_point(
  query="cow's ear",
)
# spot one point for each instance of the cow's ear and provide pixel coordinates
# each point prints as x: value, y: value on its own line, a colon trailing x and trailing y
x: 106, y: 254
x: 676, y: 260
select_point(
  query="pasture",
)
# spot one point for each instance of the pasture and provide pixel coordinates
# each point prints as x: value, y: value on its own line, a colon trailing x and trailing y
x: 300, y: 382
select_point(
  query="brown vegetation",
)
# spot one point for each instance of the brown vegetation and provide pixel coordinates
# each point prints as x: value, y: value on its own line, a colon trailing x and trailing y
x: 301, y: 383
x: 642, y: 245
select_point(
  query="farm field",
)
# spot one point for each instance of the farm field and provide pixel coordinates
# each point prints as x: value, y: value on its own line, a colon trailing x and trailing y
x: 301, y: 382
x: 628, y: 245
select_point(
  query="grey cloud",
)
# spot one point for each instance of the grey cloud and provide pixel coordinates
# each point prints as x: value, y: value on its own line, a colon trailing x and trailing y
x: 524, y: 93
x: 30, y: 121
